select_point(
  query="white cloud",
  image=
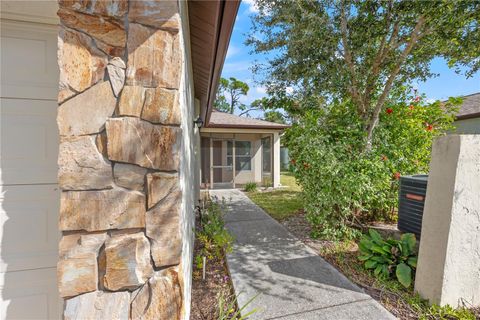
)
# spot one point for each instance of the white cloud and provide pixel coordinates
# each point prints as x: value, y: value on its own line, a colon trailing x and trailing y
x: 235, y: 67
x: 252, y: 6
x: 430, y: 100
x: 232, y: 50
x: 261, y: 90
x: 253, y: 94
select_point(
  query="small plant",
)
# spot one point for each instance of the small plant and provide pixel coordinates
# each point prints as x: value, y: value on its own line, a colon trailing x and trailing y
x: 446, y: 312
x: 227, y: 308
x: 426, y: 311
x: 250, y: 187
x: 389, y: 257
x: 216, y: 241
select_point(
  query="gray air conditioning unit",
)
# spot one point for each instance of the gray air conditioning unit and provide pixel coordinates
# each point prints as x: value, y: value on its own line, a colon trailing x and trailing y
x: 411, y: 200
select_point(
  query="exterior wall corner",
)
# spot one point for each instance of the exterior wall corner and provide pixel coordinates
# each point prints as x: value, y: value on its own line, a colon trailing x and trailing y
x: 125, y: 119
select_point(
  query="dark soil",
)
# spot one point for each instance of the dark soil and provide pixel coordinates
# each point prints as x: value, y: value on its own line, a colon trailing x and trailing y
x: 346, y: 261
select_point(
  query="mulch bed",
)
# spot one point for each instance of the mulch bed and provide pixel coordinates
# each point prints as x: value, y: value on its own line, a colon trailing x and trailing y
x: 205, y: 293
x: 347, y: 264
x: 300, y: 228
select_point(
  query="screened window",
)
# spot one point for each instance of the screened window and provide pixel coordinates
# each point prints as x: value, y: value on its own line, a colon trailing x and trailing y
x: 266, y: 155
x: 243, y: 156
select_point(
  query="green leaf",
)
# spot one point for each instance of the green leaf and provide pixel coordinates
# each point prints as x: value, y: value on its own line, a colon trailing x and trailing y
x: 385, y: 271
x: 378, y: 249
x: 375, y: 236
x: 404, y: 275
x: 412, y: 261
x: 409, y: 240
x: 379, y: 259
x: 378, y: 269
x: 370, y: 264
x: 364, y: 257
x: 365, y: 245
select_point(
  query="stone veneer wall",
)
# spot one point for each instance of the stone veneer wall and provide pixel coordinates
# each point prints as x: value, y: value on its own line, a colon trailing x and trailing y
x: 122, y: 123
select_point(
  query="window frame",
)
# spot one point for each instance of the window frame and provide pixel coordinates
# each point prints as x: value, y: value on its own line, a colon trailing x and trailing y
x: 240, y: 156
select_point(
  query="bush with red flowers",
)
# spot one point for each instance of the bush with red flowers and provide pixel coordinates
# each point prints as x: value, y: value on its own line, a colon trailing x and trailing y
x: 342, y: 182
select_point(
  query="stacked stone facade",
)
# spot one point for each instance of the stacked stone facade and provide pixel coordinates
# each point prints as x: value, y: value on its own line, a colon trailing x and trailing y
x: 119, y: 121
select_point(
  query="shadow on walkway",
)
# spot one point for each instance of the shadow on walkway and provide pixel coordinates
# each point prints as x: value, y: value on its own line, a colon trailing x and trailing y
x: 289, y: 280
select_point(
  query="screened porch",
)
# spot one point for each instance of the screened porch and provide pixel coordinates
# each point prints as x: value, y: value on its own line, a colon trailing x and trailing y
x: 231, y: 160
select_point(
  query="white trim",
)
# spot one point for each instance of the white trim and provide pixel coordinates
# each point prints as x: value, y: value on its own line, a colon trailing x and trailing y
x: 31, y: 11
x: 238, y: 130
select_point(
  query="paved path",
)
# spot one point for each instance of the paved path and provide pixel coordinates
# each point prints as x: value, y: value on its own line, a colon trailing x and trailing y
x: 291, y: 280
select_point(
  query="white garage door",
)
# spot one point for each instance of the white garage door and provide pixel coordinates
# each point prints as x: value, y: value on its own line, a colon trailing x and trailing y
x: 29, y: 195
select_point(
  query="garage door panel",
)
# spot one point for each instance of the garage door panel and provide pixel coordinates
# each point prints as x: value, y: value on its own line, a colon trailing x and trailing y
x: 29, y: 194
x: 29, y: 61
x: 30, y: 295
x: 29, y: 141
x: 29, y: 227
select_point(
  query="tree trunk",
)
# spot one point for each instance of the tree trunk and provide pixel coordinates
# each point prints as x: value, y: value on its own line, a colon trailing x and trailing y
x: 415, y: 36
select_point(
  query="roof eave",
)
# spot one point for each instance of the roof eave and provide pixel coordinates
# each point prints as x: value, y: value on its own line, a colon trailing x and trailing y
x: 226, y: 20
x: 468, y: 116
x: 230, y: 126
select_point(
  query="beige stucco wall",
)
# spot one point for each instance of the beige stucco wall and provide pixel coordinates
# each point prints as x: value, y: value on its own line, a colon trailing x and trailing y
x: 190, y: 160
x: 449, y: 259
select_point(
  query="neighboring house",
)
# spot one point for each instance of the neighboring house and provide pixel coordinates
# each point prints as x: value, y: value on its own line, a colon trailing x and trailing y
x: 251, y: 146
x: 468, y: 116
x: 109, y: 227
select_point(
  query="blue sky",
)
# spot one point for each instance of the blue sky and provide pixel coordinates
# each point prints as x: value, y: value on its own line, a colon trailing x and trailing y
x: 239, y: 62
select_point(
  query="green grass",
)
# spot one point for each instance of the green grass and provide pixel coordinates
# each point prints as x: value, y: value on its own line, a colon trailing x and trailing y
x: 287, y: 179
x: 282, y: 203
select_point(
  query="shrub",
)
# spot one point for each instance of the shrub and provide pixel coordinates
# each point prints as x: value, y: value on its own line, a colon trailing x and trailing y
x: 341, y: 181
x: 389, y: 258
x: 250, y: 187
x: 214, y: 238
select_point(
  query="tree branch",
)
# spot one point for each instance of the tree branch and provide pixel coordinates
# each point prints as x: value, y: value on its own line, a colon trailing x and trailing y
x: 414, y: 37
x: 381, y: 53
x: 349, y: 60
x: 248, y: 110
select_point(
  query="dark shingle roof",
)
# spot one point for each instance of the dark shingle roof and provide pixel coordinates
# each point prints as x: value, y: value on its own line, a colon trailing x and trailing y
x: 220, y: 119
x: 470, y: 108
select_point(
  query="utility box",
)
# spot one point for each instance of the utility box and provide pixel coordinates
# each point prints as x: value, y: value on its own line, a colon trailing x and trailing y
x: 411, y: 200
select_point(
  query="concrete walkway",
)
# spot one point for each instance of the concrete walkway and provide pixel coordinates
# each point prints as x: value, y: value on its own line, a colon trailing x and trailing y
x: 291, y: 280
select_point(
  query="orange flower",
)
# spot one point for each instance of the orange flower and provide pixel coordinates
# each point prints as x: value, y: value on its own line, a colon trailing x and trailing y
x: 429, y: 127
x: 293, y: 161
x: 384, y: 157
x: 306, y: 165
x: 389, y: 111
x: 411, y: 107
x: 397, y: 175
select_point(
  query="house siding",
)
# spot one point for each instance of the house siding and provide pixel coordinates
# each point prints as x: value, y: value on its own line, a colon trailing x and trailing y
x: 467, y: 126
